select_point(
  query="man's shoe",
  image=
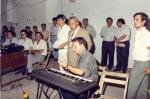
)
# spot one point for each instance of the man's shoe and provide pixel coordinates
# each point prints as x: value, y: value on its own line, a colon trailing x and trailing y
x: 97, y: 95
x: 123, y: 71
x: 115, y: 70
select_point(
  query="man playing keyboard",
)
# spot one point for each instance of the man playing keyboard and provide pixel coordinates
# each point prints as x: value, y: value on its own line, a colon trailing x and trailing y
x: 85, y: 67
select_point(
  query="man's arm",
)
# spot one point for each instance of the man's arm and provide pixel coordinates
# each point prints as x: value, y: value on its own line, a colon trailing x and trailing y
x: 61, y: 46
x: 70, y: 68
x: 121, y: 37
x: 148, y: 48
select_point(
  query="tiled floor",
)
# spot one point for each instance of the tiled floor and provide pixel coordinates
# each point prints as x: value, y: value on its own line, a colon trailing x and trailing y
x: 30, y: 86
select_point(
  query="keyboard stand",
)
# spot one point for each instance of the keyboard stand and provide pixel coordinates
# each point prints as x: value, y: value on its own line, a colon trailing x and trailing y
x: 41, y: 89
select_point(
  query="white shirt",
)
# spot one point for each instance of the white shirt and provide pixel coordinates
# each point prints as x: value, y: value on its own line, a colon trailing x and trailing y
x: 14, y: 40
x: 46, y: 34
x: 62, y: 36
x: 42, y: 45
x: 54, y: 30
x: 142, y: 41
x: 91, y: 30
x: 123, y: 30
x: 27, y: 43
x: 108, y: 33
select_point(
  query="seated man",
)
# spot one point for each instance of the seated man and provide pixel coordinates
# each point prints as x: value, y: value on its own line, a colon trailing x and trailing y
x: 26, y: 42
x: 86, y: 66
x: 38, y: 52
x: 10, y: 38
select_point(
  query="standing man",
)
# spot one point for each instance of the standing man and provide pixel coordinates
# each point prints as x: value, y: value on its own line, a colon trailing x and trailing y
x: 54, y: 32
x: 45, y: 32
x: 62, y: 37
x: 76, y: 31
x: 89, y: 28
x: 91, y: 31
x: 86, y: 66
x: 108, y: 35
x: 138, y: 82
x: 122, y: 40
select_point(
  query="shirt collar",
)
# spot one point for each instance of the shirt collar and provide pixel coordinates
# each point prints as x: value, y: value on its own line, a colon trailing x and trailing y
x: 76, y: 30
x: 141, y: 29
x: 62, y: 26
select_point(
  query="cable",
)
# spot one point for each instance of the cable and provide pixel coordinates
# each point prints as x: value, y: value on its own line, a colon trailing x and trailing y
x: 25, y: 94
x: 19, y: 85
x: 140, y: 86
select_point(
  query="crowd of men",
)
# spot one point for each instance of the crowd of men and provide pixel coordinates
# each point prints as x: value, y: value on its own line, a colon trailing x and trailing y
x: 72, y: 45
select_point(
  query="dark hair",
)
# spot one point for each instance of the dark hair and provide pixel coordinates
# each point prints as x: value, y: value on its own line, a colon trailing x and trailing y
x: 12, y: 33
x: 81, y: 40
x: 40, y: 34
x: 35, y: 26
x: 145, y: 18
x: 24, y: 31
x: 12, y: 27
x: 43, y: 24
x: 109, y: 18
x: 80, y: 23
x: 27, y: 27
x: 121, y: 20
x: 54, y: 19
x: 4, y: 28
x: 61, y: 16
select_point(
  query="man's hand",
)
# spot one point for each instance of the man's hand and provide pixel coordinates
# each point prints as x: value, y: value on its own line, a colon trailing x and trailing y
x: 61, y: 63
x: 147, y: 70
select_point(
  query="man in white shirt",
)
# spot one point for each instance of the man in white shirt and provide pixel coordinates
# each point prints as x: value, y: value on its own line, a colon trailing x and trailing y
x: 26, y: 42
x: 38, y: 52
x: 62, y: 37
x: 10, y: 38
x: 108, y: 35
x: 45, y: 32
x: 122, y: 40
x: 138, y: 82
x: 54, y: 30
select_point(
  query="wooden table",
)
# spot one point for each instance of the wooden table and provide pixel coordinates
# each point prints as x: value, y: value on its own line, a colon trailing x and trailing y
x: 12, y: 61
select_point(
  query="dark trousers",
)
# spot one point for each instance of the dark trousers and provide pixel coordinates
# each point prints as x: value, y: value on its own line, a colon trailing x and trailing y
x: 122, y: 56
x: 108, y: 49
x: 69, y: 95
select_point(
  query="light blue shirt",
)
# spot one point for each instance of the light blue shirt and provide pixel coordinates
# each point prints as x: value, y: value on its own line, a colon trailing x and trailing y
x: 14, y: 40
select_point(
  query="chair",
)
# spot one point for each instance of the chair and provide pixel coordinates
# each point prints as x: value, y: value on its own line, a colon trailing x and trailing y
x: 101, y: 69
x: 43, y: 63
x: 114, y: 78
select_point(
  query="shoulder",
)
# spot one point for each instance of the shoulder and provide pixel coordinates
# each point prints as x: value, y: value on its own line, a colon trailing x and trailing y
x: 89, y: 56
x: 113, y: 27
x: 43, y: 41
x: 82, y: 30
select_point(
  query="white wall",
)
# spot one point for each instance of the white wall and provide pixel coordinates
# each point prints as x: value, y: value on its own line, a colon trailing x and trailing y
x: 53, y: 8
x: 98, y: 10
x: 32, y: 12
x: 3, y: 12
